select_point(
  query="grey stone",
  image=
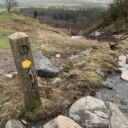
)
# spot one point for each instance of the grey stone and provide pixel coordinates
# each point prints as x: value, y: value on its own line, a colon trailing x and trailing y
x: 24, y: 122
x: 101, y: 73
x: 123, y: 66
x: 124, y: 102
x: 58, y: 55
x: 90, y: 113
x: 62, y: 122
x: 57, y: 80
x: 108, y: 85
x: 14, y: 124
x: 118, y: 120
x: 118, y: 70
x: 43, y: 66
x: 10, y: 76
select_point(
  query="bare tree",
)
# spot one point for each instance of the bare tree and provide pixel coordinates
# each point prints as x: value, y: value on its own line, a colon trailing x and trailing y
x: 10, y: 4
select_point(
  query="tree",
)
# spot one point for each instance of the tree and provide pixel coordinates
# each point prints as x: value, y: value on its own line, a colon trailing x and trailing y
x: 10, y: 4
x: 121, y: 8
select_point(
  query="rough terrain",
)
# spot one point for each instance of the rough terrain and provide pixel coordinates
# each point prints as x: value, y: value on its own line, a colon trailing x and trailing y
x: 85, y: 65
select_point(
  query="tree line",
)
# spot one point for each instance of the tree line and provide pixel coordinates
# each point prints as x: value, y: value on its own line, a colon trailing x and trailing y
x: 81, y: 17
x: 117, y: 10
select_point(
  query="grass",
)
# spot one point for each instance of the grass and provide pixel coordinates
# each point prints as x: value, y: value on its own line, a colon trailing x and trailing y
x: 12, y: 22
x: 85, y: 68
x: 7, y: 17
x: 4, y: 43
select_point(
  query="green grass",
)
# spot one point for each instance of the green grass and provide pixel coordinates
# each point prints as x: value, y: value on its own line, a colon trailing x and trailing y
x: 4, y: 43
x: 5, y: 17
x: 18, y: 19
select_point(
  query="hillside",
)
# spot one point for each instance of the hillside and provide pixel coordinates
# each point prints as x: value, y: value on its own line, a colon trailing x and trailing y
x: 83, y: 62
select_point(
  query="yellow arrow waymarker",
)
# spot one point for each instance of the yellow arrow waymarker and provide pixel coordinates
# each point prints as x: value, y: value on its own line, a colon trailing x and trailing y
x: 26, y: 64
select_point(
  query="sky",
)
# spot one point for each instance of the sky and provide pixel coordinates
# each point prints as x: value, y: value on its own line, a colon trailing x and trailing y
x: 83, y: 1
x: 96, y: 1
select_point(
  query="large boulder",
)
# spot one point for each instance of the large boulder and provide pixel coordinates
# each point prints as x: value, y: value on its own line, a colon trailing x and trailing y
x: 14, y: 124
x: 95, y: 113
x: 118, y: 120
x: 62, y: 122
x: 90, y: 112
x: 43, y: 66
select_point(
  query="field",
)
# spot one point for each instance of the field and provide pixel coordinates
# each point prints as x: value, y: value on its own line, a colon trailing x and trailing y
x: 80, y: 60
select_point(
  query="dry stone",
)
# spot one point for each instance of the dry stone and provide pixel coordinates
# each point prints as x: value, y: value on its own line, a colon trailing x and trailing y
x: 43, y: 66
x: 118, y: 120
x: 90, y: 112
x: 14, y: 124
x: 62, y: 122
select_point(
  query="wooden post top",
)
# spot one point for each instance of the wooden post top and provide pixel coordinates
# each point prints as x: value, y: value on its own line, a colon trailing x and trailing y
x: 18, y: 35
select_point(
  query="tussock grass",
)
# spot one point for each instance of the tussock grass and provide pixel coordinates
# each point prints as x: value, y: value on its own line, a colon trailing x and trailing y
x: 85, y: 68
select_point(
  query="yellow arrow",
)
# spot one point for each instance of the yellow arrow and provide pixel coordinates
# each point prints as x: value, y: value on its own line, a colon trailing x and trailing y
x: 26, y: 64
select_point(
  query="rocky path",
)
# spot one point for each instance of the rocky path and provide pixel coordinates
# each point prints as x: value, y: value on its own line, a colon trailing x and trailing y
x: 116, y: 90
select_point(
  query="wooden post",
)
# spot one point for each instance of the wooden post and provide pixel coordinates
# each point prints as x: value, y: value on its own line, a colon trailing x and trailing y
x: 22, y: 54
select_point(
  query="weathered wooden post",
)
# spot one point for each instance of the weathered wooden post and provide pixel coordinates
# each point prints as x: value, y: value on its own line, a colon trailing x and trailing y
x: 22, y: 53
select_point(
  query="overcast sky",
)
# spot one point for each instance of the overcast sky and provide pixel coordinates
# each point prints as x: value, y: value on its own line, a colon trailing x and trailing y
x: 84, y: 1
x: 97, y: 1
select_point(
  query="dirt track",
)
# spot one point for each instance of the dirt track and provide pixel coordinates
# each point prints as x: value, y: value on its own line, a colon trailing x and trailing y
x: 6, y: 61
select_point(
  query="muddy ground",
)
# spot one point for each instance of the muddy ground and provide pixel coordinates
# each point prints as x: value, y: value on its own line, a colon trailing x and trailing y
x: 6, y: 61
